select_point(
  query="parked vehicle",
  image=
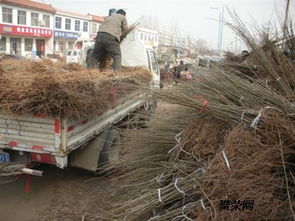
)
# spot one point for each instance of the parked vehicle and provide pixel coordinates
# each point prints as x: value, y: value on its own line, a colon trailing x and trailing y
x: 73, y: 56
x: 82, y: 143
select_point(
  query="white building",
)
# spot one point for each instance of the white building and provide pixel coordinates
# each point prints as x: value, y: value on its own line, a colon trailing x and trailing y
x: 167, y: 39
x: 95, y: 23
x: 26, y: 27
x: 68, y: 27
x: 147, y: 36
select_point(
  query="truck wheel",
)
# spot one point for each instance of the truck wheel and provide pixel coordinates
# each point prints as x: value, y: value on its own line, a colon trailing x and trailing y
x: 111, y: 149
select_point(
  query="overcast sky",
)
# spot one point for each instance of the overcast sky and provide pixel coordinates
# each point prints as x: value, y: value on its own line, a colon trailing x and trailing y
x: 193, y: 16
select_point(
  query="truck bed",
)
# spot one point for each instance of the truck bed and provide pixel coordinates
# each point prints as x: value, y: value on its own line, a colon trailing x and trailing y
x: 41, y: 135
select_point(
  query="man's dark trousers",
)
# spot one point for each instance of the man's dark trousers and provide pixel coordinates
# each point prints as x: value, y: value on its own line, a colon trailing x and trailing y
x: 105, y: 43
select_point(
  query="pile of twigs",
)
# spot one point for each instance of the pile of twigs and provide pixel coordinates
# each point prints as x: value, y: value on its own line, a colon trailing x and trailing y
x: 56, y: 89
x: 234, y: 159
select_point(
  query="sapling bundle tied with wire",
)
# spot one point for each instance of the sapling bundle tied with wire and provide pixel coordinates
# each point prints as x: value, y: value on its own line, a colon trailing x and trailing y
x: 268, y: 54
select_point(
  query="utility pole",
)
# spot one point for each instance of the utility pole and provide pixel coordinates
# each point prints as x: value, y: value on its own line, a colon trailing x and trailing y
x: 220, y: 27
x: 285, y: 27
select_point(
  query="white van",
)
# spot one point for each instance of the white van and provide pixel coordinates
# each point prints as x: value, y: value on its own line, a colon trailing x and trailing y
x: 73, y: 56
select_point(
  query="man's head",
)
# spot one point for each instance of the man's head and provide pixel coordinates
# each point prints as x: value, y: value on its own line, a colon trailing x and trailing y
x: 121, y: 12
x: 112, y: 11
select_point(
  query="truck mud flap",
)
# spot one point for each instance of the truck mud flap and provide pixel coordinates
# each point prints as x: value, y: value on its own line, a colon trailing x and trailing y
x: 100, y: 150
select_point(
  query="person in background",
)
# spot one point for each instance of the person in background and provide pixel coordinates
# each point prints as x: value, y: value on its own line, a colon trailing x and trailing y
x: 112, y: 11
x: 108, y: 38
x: 181, y: 67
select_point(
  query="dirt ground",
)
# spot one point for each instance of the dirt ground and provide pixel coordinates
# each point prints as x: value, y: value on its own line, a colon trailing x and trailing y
x: 60, y: 195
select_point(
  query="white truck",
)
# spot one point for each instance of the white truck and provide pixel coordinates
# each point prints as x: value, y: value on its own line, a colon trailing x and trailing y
x: 85, y: 143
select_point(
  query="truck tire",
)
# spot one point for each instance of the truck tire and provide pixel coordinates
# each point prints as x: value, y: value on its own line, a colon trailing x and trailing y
x: 112, y: 148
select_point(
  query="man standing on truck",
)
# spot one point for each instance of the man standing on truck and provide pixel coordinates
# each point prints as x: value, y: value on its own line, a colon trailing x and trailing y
x: 108, y: 38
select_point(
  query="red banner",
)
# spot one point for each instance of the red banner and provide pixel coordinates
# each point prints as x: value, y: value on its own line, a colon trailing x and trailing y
x: 25, y: 31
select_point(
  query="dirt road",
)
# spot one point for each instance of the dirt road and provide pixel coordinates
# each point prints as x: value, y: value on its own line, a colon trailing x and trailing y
x: 60, y: 195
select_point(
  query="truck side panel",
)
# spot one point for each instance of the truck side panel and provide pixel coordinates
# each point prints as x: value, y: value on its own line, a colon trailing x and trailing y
x: 27, y: 133
x: 82, y: 131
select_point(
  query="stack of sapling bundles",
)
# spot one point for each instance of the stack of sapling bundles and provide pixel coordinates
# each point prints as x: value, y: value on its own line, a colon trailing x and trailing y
x: 55, y: 89
x: 234, y: 158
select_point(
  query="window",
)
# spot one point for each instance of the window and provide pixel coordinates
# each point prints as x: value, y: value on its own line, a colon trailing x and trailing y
x: 34, y: 19
x: 28, y: 44
x: 85, y: 26
x: 77, y: 25
x: 3, y: 44
x: 21, y: 17
x: 58, y: 22
x: 141, y: 36
x: 46, y: 20
x: 7, y: 15
x: 145, y: 37
x: 156, y: 38
x: 68, y: 24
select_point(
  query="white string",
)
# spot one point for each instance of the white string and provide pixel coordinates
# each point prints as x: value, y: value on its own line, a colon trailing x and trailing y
x: 159, y: 179
x: 177, y: 138
x: 179, y: 190
x: 278, y: 79
x: 170, y: 151
x: 159, y: 195
x: 256, y: 120
x: 225, y: 158
x: 203, y: 205
x: 200, y: 170
x: 183, y: 215
x: 152, y: 218
x: 242, y: 116
x: 241, y: 99
x: 269, y: 107
x: 183, y: 212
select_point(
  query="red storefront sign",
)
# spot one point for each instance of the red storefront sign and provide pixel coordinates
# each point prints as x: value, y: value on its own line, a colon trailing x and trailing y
x: 25, y: 31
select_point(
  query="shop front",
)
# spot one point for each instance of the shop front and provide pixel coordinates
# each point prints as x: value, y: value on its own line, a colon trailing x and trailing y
x: 25, y: 41
x: 64, y: 41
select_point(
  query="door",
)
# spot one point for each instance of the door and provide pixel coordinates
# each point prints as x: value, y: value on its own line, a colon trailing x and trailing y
x: 15, y: 46
x: 40, y: 44
x: 62, y: 47
x: 154, y: 68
